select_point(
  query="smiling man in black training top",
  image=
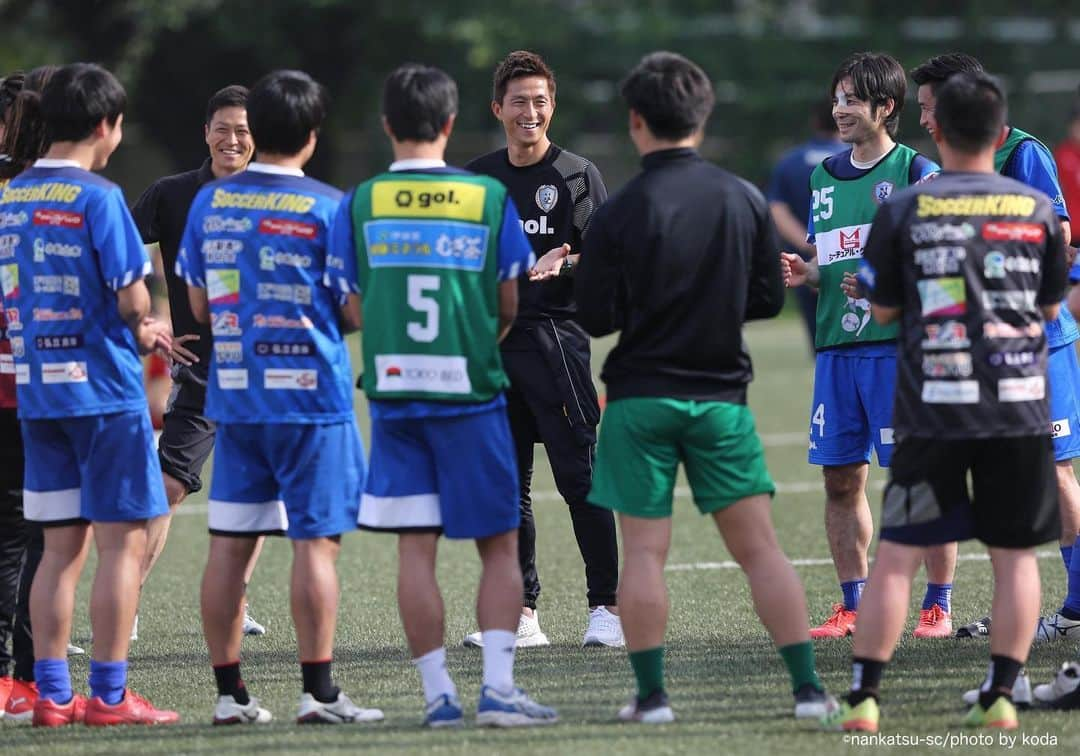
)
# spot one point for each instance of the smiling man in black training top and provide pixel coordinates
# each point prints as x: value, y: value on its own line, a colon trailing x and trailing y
x: 551, y: 398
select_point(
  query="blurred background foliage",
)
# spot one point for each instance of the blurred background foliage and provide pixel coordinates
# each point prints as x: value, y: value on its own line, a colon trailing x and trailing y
x: 769, y: 60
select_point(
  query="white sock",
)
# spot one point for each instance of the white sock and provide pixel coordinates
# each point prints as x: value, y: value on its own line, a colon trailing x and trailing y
x: 433, y: 675
x: 499, y: 659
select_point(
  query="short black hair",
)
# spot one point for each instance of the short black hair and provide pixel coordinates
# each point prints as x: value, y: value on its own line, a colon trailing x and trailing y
x: 77, y: 98
x: 417, y: 102
x: 671, y: 93
x: 971, y: 111
x: 939, y: 68
x: 232, y: 96
x: 283, y: 108
x: 876, y: 78
x: 518, y: 65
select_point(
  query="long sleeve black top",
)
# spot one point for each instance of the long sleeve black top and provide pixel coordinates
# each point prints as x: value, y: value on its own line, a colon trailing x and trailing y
x: 677, y: 261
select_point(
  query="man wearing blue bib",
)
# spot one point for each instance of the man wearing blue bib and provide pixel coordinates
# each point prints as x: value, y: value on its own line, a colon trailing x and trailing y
x: 289, y: 459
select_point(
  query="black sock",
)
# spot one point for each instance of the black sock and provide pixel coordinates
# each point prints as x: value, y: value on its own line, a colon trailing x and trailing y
x: 230, y: 684
x: 866, y: 679
x: 1003, y: 672
x: 317, y: 681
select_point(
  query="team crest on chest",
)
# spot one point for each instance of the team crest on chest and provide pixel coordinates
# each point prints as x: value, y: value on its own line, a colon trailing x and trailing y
x: 546, y: 197
x: 882, y: 190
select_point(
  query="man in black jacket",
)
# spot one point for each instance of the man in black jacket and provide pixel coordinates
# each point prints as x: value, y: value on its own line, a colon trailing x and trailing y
x: 551, y: 399
x: 678, y: 260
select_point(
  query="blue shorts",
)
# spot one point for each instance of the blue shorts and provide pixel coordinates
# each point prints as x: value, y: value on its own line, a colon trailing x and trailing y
x: 300, y: 480
x: 456, y: 475
x: 98, y: 468
x: 853, y: 407
x: 1063, y: 375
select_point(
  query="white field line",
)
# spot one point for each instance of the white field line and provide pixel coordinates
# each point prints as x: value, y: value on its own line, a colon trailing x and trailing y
x: 729, y: 565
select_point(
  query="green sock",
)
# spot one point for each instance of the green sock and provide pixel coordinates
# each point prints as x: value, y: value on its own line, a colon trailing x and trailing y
x: 799, y: 658
x: 649, y: 670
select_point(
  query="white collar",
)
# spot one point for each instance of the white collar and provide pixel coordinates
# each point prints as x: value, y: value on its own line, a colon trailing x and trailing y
x: 279, y: 170
x: 56, y: 163
x: 416, y: 164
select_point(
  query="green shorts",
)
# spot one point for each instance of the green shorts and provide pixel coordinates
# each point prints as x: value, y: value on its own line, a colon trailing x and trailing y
x: 642, y: 441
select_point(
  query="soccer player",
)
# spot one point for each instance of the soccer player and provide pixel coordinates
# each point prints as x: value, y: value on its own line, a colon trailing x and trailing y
x: 677, y: 261
x: 289, y: 458
x: 434, y: 253
x: 855, y: 368
x: 974, y: 406
x: 551, y: 399
x: 1024, y: 158
x: 21, y: 541
x: 187, y: 437
x: 789, y: 197
x: 76, y: 272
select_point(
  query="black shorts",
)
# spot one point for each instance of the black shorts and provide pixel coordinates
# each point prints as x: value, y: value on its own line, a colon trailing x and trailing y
x: 1012, y: 502
x: 187, y: 436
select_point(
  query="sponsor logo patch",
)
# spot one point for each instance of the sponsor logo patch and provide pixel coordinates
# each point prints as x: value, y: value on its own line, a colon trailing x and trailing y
x: 217, y: 224
x: 259, y: 320
x: 228, y: 352
x: 269, y: 259
x: 43, y: 249
x: 1027, y: 389
x: 284, y: 348
x: 286, y: 227
x: 456, y: 200
x: 1018, y: 301
x: 950, y: 392
x: 943, y: 297
x: 8, y: 243
x: 950, y: 334
x: 225, y: 323
x: 291, y: 293
x: 1060, y: 428
x: 955, y: 365
x: 49, y: 315
x: 63, y: 372
x: 1017, y: 205
x: 935, y: 233
x: 940, y: 261
x: 223, y: 286
x: 221, y: 251
x: 59, y: 218
x: 232, y: 379
x: 426, y: 244
x: 56, y: 285
x: 992, y: 330
x: 281, y: 379
x: 64, y: 341
x: 1021, y: 232
x: 9, y: 280
x: 997, y: 264
x: 882, y: 191
x: 1011, y: 359
x: 12, y: 220
x: 546, y: 197
x: 422, y: 373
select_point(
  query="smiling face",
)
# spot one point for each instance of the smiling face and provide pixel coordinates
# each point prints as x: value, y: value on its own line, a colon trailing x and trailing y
x: 229, y: 140
x: 927, y: 100
x: 857, y: 121
x: 525, y: 111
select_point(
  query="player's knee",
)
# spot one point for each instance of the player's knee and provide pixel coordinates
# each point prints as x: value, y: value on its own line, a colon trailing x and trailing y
x: 843, y: 485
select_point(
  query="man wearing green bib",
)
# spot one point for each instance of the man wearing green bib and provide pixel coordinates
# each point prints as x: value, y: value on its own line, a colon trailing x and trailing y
x: 855, y: 370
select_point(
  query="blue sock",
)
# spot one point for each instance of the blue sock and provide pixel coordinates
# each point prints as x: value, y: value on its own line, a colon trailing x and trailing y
x: 107, y: 681
x: 852, y: 593
x: 940, y: 594
x: 53, y: 679
x: 1071, y: 608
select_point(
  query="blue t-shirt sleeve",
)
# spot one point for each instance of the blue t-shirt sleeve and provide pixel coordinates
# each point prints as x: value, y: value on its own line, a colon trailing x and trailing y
x: 1033, y: 164
x: 121, y: 256
x: 189, y: 260
x: 515, y: 255
x: 922, y: 168
x: 342, y: 274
